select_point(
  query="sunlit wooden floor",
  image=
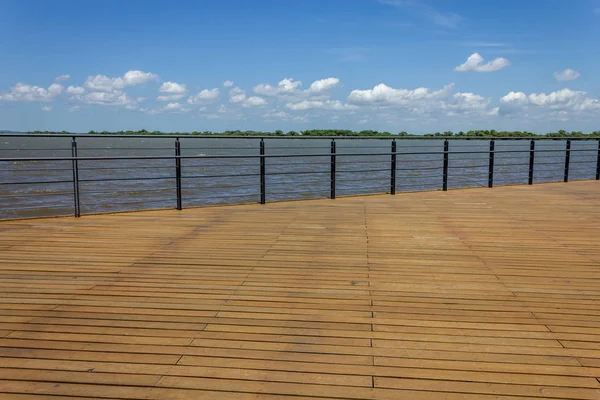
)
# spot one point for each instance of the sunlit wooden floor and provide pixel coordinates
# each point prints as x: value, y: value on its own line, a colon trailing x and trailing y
x: 468, y: 294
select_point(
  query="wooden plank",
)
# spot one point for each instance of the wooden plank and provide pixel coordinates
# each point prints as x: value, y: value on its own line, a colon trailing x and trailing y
x: 466, y: 294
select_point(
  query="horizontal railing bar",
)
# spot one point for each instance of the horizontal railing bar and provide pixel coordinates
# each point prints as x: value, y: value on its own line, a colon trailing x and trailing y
x: 295, y: 182
x: 478, y: 167
x: 126, y: 168
x: 325, y: 146
x: 297, y: 163
x: 363, y: 162
x: 125, y: 190
x: 39, y: 207
x: 418, y: 169
x: 215, y: 176
x: 511, y: 165
x: 220, y: 196
x: 38, y: 169
x: 34, y: 149
x: 34, y: 183
x: 297, y: 192
x: 126, y: 179
x: 36, y: 194
x: 421, y: 175
x: 550, y: 163
x: 410, y: 189
x: 296, y: 173
x: 269, y: 155
x: 241, y: 164
x: 207, y: 187
x: 482, y: 157
x: 341, y: 171
x: 341, y: 148
x: 83, y: 148
x: 366, y: 190
x: 467, y: 166
x: 120, y: 203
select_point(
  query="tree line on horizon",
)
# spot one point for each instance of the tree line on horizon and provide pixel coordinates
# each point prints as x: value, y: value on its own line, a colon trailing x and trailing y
x: 345, y: 132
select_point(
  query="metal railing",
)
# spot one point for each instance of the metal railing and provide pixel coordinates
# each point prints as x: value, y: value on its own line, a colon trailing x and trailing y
x: 272, y: 166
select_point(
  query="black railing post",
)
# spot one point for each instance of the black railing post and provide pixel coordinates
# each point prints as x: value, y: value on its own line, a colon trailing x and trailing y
x: 598, y: 163
x: 75, y: 164
x: 567, y: 160
x: 393, y: 171
x: 332, y: 188
x: 178, y: 171
x: 531, y: 160
x: 445, y: 178
x: 491, y: 168
x: 263, y: 194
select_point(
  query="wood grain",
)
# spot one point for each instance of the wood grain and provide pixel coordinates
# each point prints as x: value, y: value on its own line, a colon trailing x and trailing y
x: 466, y: 294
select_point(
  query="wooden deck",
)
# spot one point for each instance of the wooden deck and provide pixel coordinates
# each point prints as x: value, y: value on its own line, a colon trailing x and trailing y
x: 468, y: 294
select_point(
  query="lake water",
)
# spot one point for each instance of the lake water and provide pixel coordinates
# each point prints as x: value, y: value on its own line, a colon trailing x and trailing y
x: 45, y: 188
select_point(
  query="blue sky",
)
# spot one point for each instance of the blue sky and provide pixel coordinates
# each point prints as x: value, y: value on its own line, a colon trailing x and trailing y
x: 412, y: 65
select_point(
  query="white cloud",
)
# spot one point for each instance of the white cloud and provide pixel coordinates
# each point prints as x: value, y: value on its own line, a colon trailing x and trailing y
x: 173, y: 106
x: 172, y: 87
x: 73, y: 108
x: 75, y: 90
x: 282, y: 115
x: 206, y: 96
x: 475, y: 63
x: 565, y: 101
x: 137, y: 77
x: 169, y: 108
x: 323, y: 85
x: 170, y: 97
x: 515, y: 98
x: 466, y: 103
x: 495, y: 111
x: 383, y: 94
x: 176, y: 91
x: 176, y: 107
x: 289, y: 89
x: 24, y: 92
x: 228, y: 83
x: 420, y: 101
x: 102, y: 83
x: 254, y: 101
x: 566, y: 75
x: 317, y: 104
x: 47, y: 108
x: 62, y: 78
x: 237, y: 95
x: 115, y: 98
x: 285, y: 86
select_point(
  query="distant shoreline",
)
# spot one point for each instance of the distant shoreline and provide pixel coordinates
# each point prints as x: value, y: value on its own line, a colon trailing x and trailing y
x: 316, y: 133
